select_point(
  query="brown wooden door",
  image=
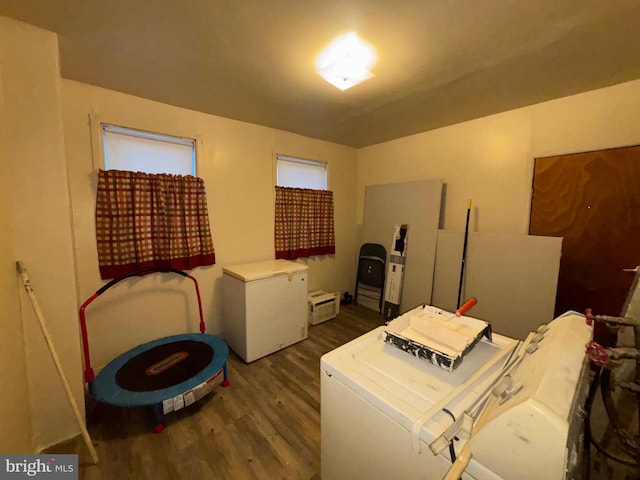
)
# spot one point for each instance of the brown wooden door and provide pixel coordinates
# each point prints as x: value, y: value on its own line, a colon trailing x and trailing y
x: 591, y: 199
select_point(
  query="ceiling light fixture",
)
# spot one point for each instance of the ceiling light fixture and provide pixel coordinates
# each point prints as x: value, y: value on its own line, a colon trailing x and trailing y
x: 346, y: 61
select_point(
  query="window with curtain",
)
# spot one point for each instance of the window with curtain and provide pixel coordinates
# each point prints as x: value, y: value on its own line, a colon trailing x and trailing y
x: 151, y: 221
x: 304, y: 223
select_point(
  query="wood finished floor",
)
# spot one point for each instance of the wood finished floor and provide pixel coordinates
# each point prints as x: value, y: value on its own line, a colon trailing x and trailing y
x: 265, y: 425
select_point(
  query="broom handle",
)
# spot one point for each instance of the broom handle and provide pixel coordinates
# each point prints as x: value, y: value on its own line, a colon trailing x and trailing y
x: 464, y: 256
x: 56, y: 360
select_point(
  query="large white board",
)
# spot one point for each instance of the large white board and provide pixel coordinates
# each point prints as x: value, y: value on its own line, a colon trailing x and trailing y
x: 514, y: 278
x: 418, y: 205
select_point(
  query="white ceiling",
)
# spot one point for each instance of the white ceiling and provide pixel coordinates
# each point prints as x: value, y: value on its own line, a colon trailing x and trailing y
x: 439, y: 61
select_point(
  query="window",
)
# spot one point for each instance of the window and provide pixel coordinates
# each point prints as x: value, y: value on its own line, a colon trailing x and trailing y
x: 303, y: 209
x: 140, y: 151
x: 300, y: 173
x: 151, y: 209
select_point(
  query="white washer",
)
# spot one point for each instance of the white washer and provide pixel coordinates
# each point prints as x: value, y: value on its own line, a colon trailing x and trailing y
x: 382, y: 407
x: 264, y: 307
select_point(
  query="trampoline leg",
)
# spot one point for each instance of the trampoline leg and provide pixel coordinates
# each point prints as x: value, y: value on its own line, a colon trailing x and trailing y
x: 225, y: 382
x: 159, y: 426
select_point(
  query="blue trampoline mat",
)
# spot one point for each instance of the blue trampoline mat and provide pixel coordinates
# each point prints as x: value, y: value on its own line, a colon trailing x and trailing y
x: 107, y: 390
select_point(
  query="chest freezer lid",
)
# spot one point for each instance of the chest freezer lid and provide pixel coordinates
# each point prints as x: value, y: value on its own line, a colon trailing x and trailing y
x: 404, y: 387
x: 269, y: 268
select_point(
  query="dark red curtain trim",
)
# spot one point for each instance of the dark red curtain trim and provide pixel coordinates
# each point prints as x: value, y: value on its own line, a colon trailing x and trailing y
x: 115, y: 271
x: 305, y: 252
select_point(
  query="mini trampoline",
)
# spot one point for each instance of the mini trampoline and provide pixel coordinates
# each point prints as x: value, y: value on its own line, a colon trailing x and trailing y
x: 168, y: 373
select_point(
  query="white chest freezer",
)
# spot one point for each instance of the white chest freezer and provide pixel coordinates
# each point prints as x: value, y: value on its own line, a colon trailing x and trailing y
x: 264, y: 307
x: 382, y: 409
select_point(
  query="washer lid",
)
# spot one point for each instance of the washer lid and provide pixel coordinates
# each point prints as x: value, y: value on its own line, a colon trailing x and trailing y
x: 405, y: 387
x: 269, y: 268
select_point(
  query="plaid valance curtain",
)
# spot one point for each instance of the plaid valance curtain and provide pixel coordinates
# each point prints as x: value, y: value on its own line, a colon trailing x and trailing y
x: 304, y: 223
x: 151, y: 221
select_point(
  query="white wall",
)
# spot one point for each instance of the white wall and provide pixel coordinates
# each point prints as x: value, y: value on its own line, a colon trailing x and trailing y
x: 235, y: 160
x: 490, y: 160
x: 35, y: 203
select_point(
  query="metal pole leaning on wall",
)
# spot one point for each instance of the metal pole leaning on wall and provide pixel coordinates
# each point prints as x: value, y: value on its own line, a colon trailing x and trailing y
x: 464, y: 255
x: 56, y: 360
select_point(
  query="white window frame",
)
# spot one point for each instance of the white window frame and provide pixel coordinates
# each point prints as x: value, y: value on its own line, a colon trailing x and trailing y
x: 278, y: 157
x: 98, y: 126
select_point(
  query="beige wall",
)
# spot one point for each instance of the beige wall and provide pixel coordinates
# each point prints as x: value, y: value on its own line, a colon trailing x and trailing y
x: 235, y: 159
x: 15, y: 418
x: 35, y: 204
x: 490, y: 160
